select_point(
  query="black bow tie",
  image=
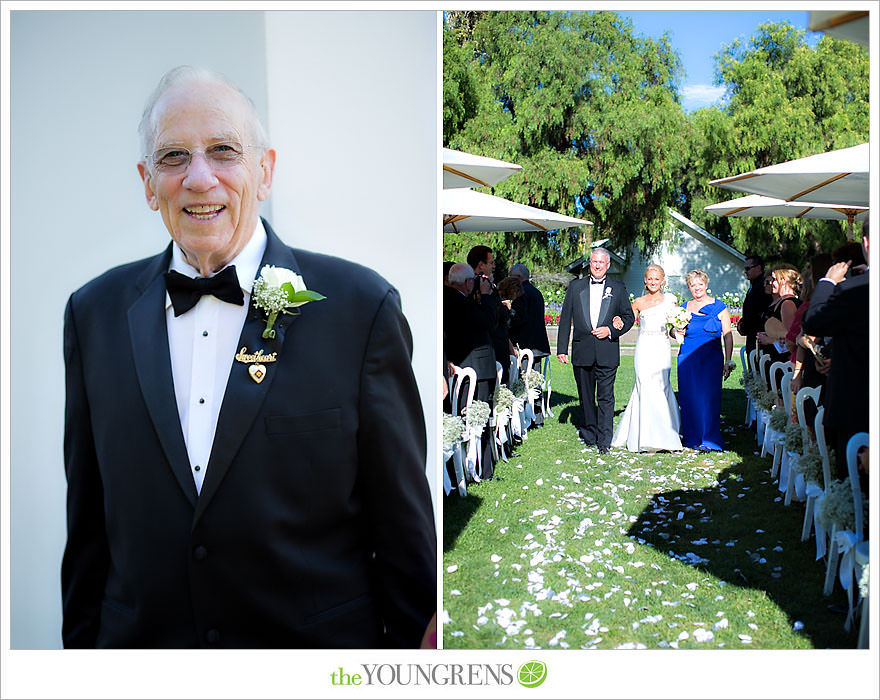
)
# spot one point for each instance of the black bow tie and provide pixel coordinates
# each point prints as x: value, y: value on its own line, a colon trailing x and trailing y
x: 601, y: 281
x: 186, y: 291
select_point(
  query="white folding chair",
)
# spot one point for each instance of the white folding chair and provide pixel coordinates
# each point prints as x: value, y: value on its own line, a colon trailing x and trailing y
x: 815, y: 494
x: 750, y: 404
x: 845, y: 542
x: 468, y: 377
x: 772, y: 438
x: 763, y: 417
x: 856, y: 557
x: 544, y: 362
x: 789, y: 468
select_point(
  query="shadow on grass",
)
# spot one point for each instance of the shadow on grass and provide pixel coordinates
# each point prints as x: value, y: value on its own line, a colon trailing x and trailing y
x: 457, y: 512
x: 742, y: 509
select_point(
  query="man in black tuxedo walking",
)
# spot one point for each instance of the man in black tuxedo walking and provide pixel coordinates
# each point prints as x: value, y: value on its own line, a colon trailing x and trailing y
x: 232, y: 485
x: 591, y: 304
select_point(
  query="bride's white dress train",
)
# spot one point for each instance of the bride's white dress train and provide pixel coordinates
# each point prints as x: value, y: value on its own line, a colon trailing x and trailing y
x: 651, y: 420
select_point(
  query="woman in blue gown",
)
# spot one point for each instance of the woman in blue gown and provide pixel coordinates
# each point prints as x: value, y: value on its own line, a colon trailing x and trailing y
x: 702, y: 365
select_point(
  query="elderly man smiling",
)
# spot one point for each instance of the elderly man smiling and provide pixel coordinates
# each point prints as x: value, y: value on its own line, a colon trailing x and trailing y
x: 232, y: 478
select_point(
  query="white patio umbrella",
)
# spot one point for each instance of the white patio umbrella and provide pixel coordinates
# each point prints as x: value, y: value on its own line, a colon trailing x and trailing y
x: 835, y: 177
x: 465, y: 210
x: 841, y: 24
x: 462, y: 169
x: 759, y: 205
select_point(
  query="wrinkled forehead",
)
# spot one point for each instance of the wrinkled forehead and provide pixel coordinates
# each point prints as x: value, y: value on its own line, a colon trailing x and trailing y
x: 203, y: 111
x: 597, y: 258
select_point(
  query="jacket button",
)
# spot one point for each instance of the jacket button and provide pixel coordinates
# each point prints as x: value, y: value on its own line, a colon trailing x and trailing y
x: 212, y: 636
x: 200, y: 553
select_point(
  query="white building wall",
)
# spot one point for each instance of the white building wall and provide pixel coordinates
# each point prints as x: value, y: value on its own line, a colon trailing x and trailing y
x: 336, y: 94
x: 682, y: 252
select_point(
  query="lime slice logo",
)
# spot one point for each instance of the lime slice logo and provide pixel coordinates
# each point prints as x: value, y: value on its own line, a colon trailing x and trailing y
x: 531, y: 674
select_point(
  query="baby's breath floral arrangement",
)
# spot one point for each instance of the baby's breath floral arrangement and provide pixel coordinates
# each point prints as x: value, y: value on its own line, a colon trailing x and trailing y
x: 810, y: 465
x: 278, y: 289
x: 503, y: 398
x: 453, y: 429
x: 837, y: 507
x: 518, y: 389
x: 864, y: 581
x: 765, y: 398
x: 477, y: 415
x: 534, y: 380
x: 778, y: 419
x: 794, y: 438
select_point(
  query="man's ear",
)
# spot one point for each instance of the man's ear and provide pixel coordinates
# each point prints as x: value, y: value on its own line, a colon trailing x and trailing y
x: 150, y: 193
x: 267, y: 170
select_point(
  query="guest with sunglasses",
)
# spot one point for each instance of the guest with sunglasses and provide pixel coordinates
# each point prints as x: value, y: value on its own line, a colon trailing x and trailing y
x: 756, y: 302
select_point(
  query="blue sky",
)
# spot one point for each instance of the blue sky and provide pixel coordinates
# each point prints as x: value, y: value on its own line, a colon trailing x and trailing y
x: 698, y: 35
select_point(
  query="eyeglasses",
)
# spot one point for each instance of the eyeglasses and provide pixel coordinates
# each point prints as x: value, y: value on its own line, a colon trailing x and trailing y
x: 176, y: 159
x: 749, y: 267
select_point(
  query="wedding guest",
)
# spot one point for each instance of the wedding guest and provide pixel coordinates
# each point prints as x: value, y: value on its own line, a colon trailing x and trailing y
x: 702, y: 365
x: 509, y: 290
x: 467, y: 322
x: 527, y: 327
x: 839, y: 308
x: 232, y: 481
x: 803, y: 359
x: 756, y: 301
x: 786, y: 284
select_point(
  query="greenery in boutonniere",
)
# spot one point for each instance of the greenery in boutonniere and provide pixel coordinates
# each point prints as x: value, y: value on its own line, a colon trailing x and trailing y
x: 278, y: 289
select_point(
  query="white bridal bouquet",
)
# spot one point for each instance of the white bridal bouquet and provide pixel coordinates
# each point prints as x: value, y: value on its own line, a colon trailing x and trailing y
x: 677, y: 319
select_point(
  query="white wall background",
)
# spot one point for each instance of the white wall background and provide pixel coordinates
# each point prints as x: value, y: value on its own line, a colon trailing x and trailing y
x: 350, y: 100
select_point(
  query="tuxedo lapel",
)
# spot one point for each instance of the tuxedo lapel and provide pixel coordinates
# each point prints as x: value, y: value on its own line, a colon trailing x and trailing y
x: 244, y: 396
x: 606, y: 304
x: 149, y: 344
x: 584, y: 297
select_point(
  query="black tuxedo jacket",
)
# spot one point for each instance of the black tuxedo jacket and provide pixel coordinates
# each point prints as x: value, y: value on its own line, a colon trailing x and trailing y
x: 755, y: 304
x: 314, y: 526
x: 586, y: 349
x: 527, y: 327
x: 468, y: 327
x: 841, y: 311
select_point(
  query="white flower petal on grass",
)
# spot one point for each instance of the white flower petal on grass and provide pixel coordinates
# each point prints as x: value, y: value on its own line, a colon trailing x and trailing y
x: 444, y: 618
x: 631, y: 645
x: 682, y: 636
x: 721, y: 624
x: 495, y: 558
x: 482, y: 620
x: 745, y: 638
x: 452, y: 569
x: 750, y: 613
x: 540, y: 482
x: 692, y: 586
x: 701, y: 635
x: 753, y: 626
x: 503, y: 602
x: 798, y: 625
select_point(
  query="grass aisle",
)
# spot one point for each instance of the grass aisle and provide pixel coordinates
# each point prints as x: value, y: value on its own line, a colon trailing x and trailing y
x: 572, y: 550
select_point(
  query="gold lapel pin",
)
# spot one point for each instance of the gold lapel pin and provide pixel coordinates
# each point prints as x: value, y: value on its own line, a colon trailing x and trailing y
x: 256, y: 368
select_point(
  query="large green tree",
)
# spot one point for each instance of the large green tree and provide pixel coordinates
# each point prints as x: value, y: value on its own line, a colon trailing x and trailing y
x: 589, y: 110
x: 785, y: 100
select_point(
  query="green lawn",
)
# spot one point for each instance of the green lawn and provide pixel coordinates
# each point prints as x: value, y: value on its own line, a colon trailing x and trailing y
x: 567, y: 549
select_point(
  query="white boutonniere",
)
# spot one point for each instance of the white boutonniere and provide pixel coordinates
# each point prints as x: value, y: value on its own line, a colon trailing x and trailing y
x: 607, y: 294
x: 278, y: 289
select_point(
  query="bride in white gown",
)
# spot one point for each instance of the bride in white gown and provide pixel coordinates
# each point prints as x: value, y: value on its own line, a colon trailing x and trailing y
x: 651, y: 420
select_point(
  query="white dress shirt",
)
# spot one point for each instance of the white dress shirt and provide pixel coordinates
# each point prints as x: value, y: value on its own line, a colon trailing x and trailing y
x: 596, y: 291
x: 202, y: 343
